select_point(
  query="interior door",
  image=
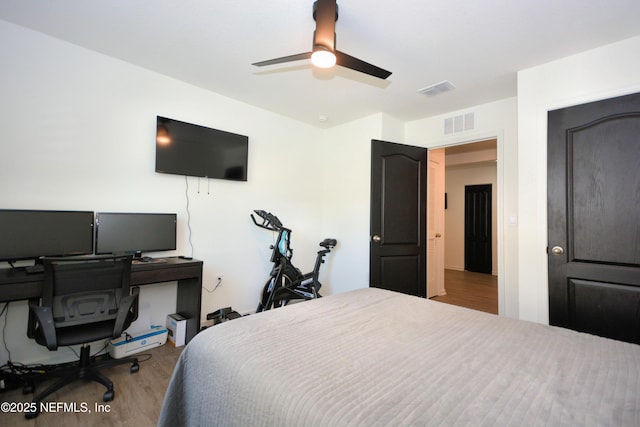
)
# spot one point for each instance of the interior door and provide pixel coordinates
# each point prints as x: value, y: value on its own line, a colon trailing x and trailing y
x: 435, y: 223
x: 398, y: 217
x: 594, y: 217
x: 477, y: 228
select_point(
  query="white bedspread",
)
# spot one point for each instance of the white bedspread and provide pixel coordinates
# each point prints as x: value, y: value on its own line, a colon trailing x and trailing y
x: 376, y: 358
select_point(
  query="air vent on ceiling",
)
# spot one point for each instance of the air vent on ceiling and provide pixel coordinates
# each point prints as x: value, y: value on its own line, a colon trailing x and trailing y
x: 437, y: 88
x: 460, y: 123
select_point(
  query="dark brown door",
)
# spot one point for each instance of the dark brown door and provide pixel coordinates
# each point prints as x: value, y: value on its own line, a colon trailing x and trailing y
x: 398, y: 217
x: 594, y: 217
x: 477, y: 228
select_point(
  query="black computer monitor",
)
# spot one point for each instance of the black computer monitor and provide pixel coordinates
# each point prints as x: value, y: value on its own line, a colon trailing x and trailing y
x: 33, y: 234
x: 135, y: 233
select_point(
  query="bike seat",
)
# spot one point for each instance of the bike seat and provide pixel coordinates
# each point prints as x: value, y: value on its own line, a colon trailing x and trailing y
x: 328, y: 243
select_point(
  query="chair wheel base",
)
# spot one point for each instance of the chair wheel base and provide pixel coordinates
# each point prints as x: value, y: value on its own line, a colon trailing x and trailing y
x: 108, y: 396
x: 31, y: 415
x: 134, y: 368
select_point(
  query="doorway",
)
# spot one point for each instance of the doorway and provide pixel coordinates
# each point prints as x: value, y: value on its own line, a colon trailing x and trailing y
x: 393, y: 267
x: 468, y: 165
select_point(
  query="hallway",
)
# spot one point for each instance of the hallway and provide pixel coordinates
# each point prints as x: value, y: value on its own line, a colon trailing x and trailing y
x: 472, y: 290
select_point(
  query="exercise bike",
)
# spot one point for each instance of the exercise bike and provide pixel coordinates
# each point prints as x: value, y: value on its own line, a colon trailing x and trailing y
x: 286, y: 282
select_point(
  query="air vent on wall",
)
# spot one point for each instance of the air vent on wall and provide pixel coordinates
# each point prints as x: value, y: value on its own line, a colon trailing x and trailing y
x: 460, y: 123
x: 437, y: 88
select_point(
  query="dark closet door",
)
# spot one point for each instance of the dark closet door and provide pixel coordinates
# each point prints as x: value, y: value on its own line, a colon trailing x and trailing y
x: 398, y: 217
x: 594, y: 217
x: 477, y: 228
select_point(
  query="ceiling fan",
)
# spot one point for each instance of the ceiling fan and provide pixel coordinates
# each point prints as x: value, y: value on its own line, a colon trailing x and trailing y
x: 324, y: 53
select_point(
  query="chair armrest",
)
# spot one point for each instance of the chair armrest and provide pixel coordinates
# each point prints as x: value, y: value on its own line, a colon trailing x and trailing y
x: 44, y: 319
x: 31, y: 320
x: 127, y: 304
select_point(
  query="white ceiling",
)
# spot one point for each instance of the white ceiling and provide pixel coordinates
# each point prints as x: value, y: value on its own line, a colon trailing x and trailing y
x: 476, y: 45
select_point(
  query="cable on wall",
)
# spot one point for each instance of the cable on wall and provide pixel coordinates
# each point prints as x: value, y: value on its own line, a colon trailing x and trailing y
x: 186, y: 193
x: 215, y: 287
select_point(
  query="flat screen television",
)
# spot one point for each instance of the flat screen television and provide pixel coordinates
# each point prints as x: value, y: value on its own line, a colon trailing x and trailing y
x: 193, y: 150
x: 33, y: 234
x: 135, y: 233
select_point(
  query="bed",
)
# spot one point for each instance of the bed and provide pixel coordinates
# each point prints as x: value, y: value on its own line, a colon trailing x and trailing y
x: 372, y: 357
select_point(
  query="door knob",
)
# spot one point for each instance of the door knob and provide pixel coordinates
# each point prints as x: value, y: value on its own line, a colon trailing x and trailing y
x: 376, y: 238
x: 557, y: 250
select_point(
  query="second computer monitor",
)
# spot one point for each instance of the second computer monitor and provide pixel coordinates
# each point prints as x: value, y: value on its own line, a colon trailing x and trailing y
x: 119, y: 232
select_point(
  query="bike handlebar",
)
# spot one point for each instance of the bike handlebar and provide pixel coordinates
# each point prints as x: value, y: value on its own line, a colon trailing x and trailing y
x: 269, y: 220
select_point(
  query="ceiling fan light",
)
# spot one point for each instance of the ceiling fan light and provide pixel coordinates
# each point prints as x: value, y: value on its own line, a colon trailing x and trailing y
x: 323, y: 58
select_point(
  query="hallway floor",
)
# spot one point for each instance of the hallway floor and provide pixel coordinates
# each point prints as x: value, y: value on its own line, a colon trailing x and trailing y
x: 477, y: 291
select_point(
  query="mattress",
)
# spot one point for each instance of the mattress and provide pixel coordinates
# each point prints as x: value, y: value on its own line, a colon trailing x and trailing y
x: 372, y: 357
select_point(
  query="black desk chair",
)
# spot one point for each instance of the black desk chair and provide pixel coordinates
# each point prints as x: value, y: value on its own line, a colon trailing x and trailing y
x: 84, y: 299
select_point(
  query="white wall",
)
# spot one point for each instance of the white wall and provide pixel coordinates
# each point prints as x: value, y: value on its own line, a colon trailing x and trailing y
x: 597, y: 74
x: 456, y: 180
x: 346, y: 197
x: 493, y: 120
x: 78, y: 132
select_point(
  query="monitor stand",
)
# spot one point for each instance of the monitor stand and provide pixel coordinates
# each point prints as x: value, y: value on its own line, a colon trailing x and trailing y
x: 36, y: 268
x: 139, y: 259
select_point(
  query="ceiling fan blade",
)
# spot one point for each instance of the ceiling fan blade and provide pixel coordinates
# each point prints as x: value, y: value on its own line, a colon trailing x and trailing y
x: 325, y: 14
x: 356, y: 64
x: 290, y: 58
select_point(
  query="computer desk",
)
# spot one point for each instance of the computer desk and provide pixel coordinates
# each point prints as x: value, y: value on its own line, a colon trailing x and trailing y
x: 16, y: 284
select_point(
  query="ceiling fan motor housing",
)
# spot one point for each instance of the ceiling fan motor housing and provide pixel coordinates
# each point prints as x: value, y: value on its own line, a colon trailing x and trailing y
x: 315, y: 9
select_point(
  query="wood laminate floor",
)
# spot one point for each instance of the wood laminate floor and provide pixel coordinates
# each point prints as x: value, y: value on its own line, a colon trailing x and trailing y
x: 472, y: 290
x: 138, y: 397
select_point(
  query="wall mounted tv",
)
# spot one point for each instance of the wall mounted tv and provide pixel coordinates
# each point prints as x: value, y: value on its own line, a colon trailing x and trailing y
x: 193, y: 150
x: 33, y: 234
